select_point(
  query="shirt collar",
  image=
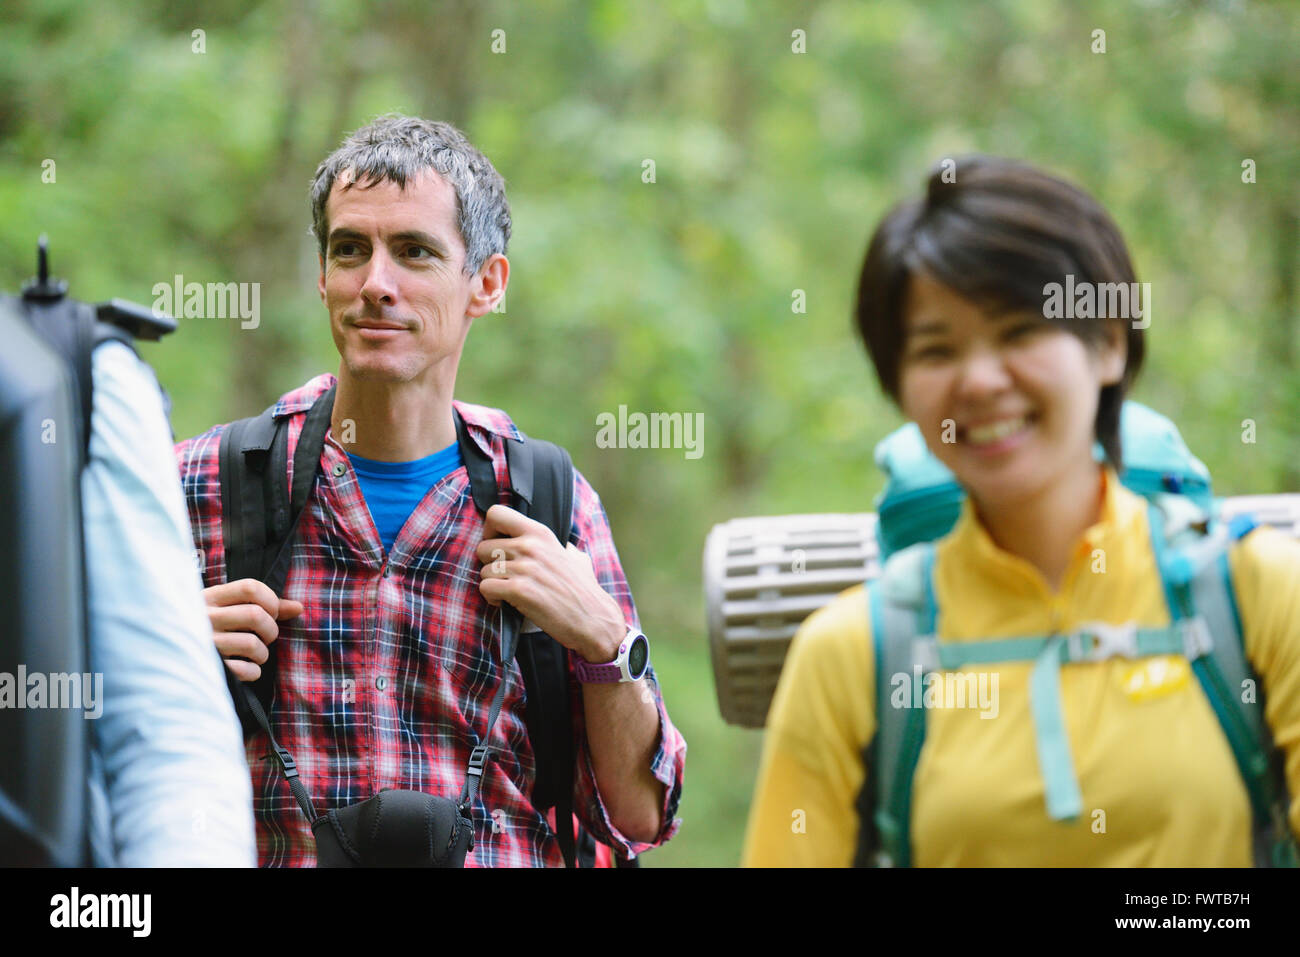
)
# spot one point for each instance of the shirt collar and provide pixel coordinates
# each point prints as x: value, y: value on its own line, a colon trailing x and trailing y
x: 482, y: 418
x: 301, y: 398
x: 1120, y: 509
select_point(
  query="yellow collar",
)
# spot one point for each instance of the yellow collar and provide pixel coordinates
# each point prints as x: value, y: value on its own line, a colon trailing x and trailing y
x: 981, y: 556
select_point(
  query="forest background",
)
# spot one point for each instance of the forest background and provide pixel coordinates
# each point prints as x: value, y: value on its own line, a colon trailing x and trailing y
x: 718, y: 277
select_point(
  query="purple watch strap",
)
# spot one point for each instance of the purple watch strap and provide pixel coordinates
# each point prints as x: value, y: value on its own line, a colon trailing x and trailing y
x: 606, y: 673
x: 598, y: 674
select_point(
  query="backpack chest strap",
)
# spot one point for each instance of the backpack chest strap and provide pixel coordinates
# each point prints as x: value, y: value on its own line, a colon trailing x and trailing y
x: 1092, y: 642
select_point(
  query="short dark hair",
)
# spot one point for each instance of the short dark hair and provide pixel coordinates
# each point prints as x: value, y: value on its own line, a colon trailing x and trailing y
x: 996, y: 232
x: 397, y: 148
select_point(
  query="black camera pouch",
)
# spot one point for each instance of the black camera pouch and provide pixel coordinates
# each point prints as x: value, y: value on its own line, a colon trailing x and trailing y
x: 394, y: 829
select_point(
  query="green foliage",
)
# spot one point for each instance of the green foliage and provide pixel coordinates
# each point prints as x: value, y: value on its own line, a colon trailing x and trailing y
x: 771, y: 169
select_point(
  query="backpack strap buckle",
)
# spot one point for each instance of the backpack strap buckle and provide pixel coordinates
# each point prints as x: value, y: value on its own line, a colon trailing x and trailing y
x: 287, y: 764
x: 478, y: 759
x: 1197, y: 640
x: 1099, y: 641
x: 474, y: 774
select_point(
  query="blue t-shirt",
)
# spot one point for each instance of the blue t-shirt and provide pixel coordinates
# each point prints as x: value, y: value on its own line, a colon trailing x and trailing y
x: 393, y: 489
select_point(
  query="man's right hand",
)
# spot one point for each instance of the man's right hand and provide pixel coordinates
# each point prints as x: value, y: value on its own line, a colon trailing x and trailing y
x: 243, y: 616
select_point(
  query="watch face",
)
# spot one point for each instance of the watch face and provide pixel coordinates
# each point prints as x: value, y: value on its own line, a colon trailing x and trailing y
x: 638, y: 657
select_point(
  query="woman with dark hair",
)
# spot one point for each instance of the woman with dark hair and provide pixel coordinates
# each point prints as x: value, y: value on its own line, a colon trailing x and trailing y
x: 1013, y: 395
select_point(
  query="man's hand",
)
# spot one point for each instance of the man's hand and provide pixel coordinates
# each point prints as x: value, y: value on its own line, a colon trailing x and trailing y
x: 243, y: 616
x: 552, y: 585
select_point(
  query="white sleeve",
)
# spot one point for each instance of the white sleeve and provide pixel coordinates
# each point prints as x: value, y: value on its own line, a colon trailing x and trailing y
x: 168, y: 743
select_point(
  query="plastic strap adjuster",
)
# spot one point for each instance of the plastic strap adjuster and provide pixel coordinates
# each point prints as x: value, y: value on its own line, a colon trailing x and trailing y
x: 286, y: 762
x: 1099, y: 641
x: 478, y: 759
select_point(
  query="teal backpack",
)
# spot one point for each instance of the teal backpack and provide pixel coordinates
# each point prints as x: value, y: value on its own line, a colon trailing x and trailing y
x: 920, y: 504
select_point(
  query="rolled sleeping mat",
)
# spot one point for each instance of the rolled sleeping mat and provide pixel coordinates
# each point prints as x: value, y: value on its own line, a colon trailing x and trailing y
x: 764, y: 576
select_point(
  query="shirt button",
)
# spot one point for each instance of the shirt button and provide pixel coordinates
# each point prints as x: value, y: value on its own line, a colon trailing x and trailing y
x: 381, y: 682
x: 339, y: 468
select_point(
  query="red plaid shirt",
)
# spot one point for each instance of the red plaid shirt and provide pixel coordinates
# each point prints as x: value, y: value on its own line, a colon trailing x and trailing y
x: 386, y: 680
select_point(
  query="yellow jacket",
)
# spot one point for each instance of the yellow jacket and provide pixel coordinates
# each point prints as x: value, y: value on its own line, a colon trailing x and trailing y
x: 1160, y: 785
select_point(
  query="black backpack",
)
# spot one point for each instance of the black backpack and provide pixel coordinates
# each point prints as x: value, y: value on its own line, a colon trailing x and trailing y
x: 45, y: 404
x: 260, y: 515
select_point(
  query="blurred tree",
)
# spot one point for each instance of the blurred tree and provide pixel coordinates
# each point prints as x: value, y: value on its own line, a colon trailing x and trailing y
x: 771, y: 165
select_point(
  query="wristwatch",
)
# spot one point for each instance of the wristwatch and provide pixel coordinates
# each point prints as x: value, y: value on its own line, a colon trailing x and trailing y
x: 630, y: 664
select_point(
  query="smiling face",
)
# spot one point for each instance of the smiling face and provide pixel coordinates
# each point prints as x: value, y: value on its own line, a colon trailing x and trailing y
x: 394, y: 282
x: 1021, y: 394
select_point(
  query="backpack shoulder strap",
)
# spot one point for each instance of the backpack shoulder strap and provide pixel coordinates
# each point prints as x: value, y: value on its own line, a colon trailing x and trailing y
x: 259, y: 514
x: 259, y: 511
x: 1198, y: 584
x: 903, y: 614
x: 1228, y: 674
x: 544, y: 479
x: 541, y: 474
x: 541, y: 478
x: 242, y: 470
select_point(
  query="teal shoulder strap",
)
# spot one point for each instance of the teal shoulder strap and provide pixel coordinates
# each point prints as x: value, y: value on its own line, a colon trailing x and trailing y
x: 1198, y: 583
x: 902, y: 611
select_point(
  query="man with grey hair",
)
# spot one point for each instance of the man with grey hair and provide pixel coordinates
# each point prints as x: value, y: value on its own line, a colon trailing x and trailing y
x: 386, y: 664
